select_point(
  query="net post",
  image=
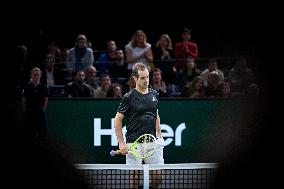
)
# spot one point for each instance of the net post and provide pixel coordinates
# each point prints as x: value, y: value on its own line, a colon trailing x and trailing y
x: 146, y: 176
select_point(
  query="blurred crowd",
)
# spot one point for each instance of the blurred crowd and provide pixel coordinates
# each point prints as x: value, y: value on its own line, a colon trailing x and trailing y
x: 176, y: 69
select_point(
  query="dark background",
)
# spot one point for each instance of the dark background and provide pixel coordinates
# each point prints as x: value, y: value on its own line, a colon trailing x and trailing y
x: 230, y: 30
x: 226, y: 30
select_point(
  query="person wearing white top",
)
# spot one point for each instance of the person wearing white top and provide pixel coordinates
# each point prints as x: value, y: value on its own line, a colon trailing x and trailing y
x: 138, y: 50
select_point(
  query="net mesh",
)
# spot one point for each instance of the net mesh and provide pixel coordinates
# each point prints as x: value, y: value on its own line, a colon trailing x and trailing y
x: 162, y: 176
x: 112, y: 178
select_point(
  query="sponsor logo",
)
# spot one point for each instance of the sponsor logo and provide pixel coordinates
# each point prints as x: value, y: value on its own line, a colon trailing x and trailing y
x: 168, y: 133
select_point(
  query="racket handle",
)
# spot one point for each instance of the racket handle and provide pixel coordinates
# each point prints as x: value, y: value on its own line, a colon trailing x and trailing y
x: 114, y: 152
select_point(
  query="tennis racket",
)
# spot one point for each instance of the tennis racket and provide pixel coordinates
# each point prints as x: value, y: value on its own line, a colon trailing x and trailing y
x: 143, y: 147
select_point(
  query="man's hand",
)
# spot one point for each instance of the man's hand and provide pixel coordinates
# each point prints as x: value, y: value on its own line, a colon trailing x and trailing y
x: 159, y: 135
x: 160, y: 140
x: 163, y: 87
x: 123, y: 148
x: 185, y: 46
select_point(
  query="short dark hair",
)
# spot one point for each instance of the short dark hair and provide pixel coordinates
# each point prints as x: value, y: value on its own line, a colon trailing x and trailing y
x: 81, y: 37
x: 157, y: 70
x: 186, y: 30
x: 104, y: 75
x: 212, y: 60
x: 138, y: 66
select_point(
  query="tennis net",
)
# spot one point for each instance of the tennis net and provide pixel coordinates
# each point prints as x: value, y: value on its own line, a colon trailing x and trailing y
x: 189, y: 175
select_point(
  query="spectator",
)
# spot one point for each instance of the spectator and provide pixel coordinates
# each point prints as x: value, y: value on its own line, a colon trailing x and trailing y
x: 80, y: 57
x: 138, y: 50
x: 194, y: 89
x: 130, y: 84
x: 158, y: 84
x: 240, y: 77
x: 62, y: 73
x: 34, y: 103
x: 51, y: 75
x: 78, y: 87
x: 163, y: 57
x: 91, y: 78
x: 105, y: 84
x: 54, y: 51
x: 212, y: 66
x: 213, y: 82
x: 185, y: 49
x: 114, y: 91
x: 188, y: 74
x: 118, y: 69
x: 22, y: 71
x: 107, y: 58
x: 224, y: 90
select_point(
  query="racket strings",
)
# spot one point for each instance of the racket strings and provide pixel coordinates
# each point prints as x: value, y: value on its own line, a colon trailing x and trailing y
x: 146, y: 146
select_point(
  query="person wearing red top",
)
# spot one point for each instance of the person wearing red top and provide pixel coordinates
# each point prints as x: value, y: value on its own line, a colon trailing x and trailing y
x: 185, y: 49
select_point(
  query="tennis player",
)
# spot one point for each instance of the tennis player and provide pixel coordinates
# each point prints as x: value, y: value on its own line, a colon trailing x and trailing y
x: 140, y: 107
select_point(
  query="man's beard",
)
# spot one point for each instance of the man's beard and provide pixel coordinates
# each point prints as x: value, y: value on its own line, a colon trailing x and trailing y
x: 145, y: 86
x: 79, y: 82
